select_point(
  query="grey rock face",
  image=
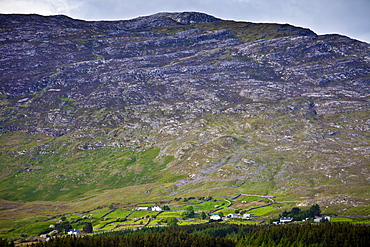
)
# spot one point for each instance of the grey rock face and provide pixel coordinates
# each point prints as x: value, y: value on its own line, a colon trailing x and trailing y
x: 269, y: 110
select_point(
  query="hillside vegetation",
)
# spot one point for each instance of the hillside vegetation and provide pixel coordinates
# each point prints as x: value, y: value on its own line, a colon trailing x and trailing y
x: 179, y: 105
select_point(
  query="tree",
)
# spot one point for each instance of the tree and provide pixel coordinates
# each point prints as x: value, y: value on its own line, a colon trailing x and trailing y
x: 188, y: 213
x: 88, y: 227
x: 203, y: 215
x: 64, y: 227
x: 295, y: 211
x: 285, y: 213
x: 314, y: 211
x: 172, y: 221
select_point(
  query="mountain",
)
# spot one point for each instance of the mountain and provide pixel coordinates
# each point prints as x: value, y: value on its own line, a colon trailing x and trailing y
x: 177, y: 104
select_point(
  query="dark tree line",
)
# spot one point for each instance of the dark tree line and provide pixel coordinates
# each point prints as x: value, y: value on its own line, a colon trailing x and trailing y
x: 63, y: 227
x: 6, y: 243
x: 297, y: 214
x: 216, y: 234
x: 316, y: 235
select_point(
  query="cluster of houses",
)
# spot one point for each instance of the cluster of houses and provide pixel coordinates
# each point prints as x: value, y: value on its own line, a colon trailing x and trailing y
x: 283, y: 220
x: 288, y: 220
x: 78, y: 231
x: 231, y: 216
x: 321, y: 219
x: 151, y: 208
x: 74, y: 232
x: 215, y: 217
x: 53, y: 233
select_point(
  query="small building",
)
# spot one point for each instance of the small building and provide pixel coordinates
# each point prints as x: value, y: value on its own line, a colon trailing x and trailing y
x: 151, y: 208
x: 247, y: 216
x: 155, y: 208
x: 321, y: 219
x: 141, y: 208
x: 285, y: 220
x: 232, y: 216
x: 215, y: 217
x: 74, y: 232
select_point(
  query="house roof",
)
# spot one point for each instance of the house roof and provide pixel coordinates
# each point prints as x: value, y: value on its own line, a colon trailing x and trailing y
x: 72, y: 231
x: 286, y: 219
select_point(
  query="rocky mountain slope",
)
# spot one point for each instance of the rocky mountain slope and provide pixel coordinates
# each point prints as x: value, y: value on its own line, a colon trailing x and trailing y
x: 181, y: 104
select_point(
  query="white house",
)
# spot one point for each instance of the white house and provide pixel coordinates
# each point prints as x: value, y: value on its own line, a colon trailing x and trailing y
x: 232, y: 216
x: 155, y: 208
x: 215, y: 217
x: 319, y: 219
x: 141, y: 208
x: 285, y: 220
x: 74, y: 232
x: 151, y: 208
x: 247, y: 216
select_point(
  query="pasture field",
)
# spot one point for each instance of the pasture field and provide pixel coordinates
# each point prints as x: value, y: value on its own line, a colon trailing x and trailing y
x: 140, y: 214
x: 358, y: 220
x: 262, y: 211
x: 118, y: 214
x: 167, y: 214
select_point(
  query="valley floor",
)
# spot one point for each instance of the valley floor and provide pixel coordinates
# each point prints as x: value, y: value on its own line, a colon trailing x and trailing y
x: 240, y: 209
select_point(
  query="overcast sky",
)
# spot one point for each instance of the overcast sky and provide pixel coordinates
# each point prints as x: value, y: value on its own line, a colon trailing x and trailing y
x: 347, y: 17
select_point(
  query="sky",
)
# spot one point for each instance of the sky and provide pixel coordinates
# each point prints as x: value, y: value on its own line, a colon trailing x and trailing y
x: 346, y: 17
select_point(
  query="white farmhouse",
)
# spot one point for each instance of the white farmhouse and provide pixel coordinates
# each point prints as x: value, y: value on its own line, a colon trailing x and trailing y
x: 155, y: 208
x: 141, y: 208
x: 232, y: 216
x: 247, y: 216
x: 320, y: 219
x: 74, y: 232
x: 215, y: 217
x: 285, y: 220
